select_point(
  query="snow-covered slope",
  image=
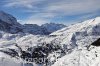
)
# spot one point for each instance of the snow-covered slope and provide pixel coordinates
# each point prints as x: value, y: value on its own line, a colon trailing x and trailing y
x: 65, y: 47
x: 79, y: 27
x: 77, y: 38
x: 81, y: 30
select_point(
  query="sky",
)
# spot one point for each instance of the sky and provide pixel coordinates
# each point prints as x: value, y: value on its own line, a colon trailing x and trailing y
x: 55, y: 11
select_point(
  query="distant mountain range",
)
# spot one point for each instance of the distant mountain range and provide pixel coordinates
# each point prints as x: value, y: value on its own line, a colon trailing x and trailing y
x: 9, y: 24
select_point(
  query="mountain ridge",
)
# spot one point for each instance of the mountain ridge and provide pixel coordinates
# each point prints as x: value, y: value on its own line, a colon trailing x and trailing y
x: 15, y: 27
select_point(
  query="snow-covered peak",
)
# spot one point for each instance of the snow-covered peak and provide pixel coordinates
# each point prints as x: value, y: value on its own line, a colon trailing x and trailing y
x: 79, y: 27
x: 7, y: 18
x: 97, y: 20
x: 51, y: 27
x: 44, y: 29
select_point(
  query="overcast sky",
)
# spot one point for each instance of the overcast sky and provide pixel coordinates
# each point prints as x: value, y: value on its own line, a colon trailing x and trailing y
x: 57, y: 11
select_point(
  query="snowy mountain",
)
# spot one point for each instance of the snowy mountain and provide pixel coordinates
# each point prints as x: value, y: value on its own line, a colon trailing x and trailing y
x: 51, y: 27
x: 9, y: 24
x: 8, y: 18
x: 44, y: 29
x: 34, y: 29
x: 77, y: 38
x: 75, y: 45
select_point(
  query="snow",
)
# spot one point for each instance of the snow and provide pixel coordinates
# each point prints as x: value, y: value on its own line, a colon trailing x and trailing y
x: 80, y: 56
x: 74, y: 39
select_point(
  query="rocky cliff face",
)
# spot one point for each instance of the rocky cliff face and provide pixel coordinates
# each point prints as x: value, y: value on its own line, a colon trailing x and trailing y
x: 8, y: 23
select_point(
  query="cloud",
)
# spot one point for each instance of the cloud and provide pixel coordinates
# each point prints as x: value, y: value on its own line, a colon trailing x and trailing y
x: 35, y: 20
x: 22, y: 3
x: 57, y: 7
x: 73, y: 7
x: 44, y: 11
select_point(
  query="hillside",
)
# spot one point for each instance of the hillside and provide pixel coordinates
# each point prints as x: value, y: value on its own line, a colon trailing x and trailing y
x: 71, y: 46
